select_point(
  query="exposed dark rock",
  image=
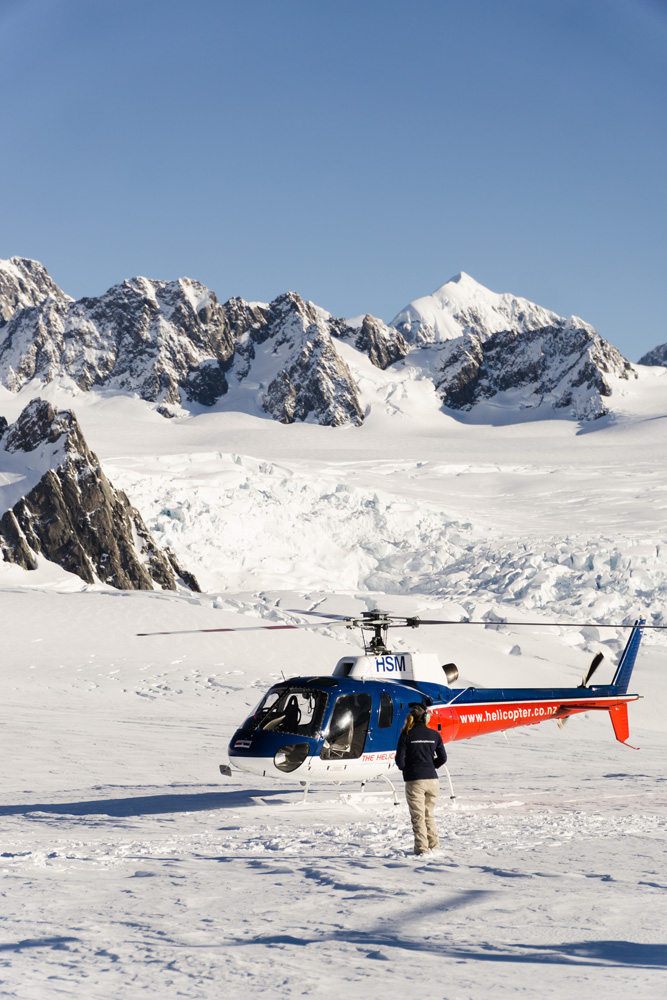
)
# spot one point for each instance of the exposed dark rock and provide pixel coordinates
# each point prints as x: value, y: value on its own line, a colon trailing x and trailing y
x: 40, y: 423
x: 564, y: 368
x: 186, y: 578
x: 14, y: 545
x: 383, y: 344
x: 206, y: 384
x: 658, y: 356
x: 313, y: 380
x: 74, y: 516
x: 241, y: 317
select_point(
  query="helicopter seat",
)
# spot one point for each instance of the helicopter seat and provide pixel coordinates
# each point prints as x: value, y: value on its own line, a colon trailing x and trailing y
x: 288, y: 720
x: 292, y: 718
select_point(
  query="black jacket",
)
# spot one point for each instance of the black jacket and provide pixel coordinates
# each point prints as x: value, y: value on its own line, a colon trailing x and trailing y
x: 419, y: 753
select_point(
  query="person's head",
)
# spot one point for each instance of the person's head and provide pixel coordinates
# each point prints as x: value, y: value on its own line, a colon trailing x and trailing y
x: 418, y: 713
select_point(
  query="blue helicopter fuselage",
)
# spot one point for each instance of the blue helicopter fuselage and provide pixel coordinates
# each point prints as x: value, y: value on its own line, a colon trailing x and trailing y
x: 343, y: 729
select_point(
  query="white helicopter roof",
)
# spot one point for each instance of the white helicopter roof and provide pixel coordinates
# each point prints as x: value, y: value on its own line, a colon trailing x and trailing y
x: 394, y: 667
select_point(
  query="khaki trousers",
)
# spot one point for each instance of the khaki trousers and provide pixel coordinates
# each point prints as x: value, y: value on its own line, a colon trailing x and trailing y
x: 421, y: 798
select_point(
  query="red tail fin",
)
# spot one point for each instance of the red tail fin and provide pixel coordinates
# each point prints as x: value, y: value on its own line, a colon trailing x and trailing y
x: 619, y: 720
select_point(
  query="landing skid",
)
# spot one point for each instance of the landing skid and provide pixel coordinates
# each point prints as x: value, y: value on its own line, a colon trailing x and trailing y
x: 352, y: 798
x: 449, y: 779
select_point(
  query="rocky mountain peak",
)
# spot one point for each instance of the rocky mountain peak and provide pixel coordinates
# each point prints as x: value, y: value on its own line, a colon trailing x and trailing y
x: 242, y: 316
x: 383, y: 344
x: 657, y: 356
x: 68, y: 512
x: 291, y: 341
x: 25, y: 283
x: 565, y: 368
x: 154, y: 338
x: 290, y: 311
x: 40, y: 423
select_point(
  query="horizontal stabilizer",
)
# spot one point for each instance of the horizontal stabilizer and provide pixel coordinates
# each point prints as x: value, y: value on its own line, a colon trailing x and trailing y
x: 619, y: 720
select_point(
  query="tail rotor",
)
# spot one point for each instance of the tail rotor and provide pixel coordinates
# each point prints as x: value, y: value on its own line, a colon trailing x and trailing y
x: 595, y: 663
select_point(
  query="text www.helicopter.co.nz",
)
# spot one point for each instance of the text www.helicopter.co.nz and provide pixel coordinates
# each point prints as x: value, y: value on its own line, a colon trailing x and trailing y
x: 510, y: 714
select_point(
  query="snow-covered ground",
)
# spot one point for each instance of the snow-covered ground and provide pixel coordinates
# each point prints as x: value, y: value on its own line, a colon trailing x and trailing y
x: 132, y: 868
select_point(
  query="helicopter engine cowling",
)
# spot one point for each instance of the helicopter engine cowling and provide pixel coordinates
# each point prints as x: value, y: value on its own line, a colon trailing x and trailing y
x: 421, y: 667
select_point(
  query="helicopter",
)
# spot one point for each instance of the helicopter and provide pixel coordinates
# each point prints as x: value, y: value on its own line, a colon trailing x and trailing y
x: 345, y: 727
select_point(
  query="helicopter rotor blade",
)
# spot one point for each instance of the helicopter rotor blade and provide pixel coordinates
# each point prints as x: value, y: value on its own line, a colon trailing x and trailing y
x: 244, y: 628
x: 320, y: 614
x: 406, y: 621
x: 416, y: 622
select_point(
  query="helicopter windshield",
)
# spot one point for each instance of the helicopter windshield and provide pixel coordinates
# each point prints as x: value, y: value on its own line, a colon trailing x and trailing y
x: 289, y: 710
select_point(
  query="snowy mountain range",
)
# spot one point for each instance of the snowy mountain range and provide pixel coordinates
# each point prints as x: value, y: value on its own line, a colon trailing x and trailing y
x: 174, y: 344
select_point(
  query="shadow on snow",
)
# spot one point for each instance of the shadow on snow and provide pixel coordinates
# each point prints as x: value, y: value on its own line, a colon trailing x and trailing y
x: 59, y: 943
x: 601, y: 954
x: 146, y: 805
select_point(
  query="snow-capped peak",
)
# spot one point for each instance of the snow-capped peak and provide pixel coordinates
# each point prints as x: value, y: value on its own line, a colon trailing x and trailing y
x: 463, y: 305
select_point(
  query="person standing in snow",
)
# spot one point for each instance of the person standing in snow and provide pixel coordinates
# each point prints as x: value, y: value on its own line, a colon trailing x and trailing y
x: 420, y: 751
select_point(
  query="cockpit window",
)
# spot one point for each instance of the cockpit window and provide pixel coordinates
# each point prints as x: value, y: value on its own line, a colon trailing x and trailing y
x: 289, y: 710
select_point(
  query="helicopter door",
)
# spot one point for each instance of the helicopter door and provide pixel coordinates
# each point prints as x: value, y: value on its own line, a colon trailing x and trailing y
x: 382, y: 733
x: 348, y: 726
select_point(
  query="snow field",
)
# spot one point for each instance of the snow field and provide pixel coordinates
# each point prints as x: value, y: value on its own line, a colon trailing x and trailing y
x: 131, y: 868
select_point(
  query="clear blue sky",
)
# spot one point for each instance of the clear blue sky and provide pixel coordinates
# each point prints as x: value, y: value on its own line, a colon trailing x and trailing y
x: 359, y: 152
